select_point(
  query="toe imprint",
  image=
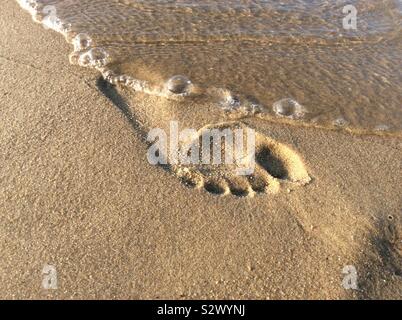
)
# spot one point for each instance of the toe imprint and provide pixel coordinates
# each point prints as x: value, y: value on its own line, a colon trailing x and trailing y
x: 214, y: 187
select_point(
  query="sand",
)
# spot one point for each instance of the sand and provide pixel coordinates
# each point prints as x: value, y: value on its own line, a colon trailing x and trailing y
x: 78, y: 193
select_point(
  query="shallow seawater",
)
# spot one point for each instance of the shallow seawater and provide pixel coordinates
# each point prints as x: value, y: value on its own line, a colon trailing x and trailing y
x: 290, y: 59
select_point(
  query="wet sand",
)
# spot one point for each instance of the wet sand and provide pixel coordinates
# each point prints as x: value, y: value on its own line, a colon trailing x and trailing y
x: 78, y: 193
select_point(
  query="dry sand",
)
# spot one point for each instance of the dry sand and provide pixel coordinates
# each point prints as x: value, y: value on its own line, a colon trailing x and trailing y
x: 78, y: 193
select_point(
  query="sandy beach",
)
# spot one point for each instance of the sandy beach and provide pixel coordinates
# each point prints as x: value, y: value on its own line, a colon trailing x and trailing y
x: 78, y: 193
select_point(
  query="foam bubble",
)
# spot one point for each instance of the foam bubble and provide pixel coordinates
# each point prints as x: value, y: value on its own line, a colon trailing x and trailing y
x: 289, y: 108
x: 95, y: 57
x: 229, y: 101
x: 50, y: 20
x: 382, y: 127
x: 233, y: 102
x: 253, y: 109
x: 74, y: 58
x: 30, y: 5
x: 81, y: 42
x: 179, y: 85
x: 340, y: 122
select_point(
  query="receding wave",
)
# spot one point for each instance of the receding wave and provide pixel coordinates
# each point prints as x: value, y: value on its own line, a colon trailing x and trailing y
x: 289, y: 60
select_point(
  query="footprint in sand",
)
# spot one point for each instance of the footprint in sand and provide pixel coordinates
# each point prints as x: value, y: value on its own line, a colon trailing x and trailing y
x: 275, y: 166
